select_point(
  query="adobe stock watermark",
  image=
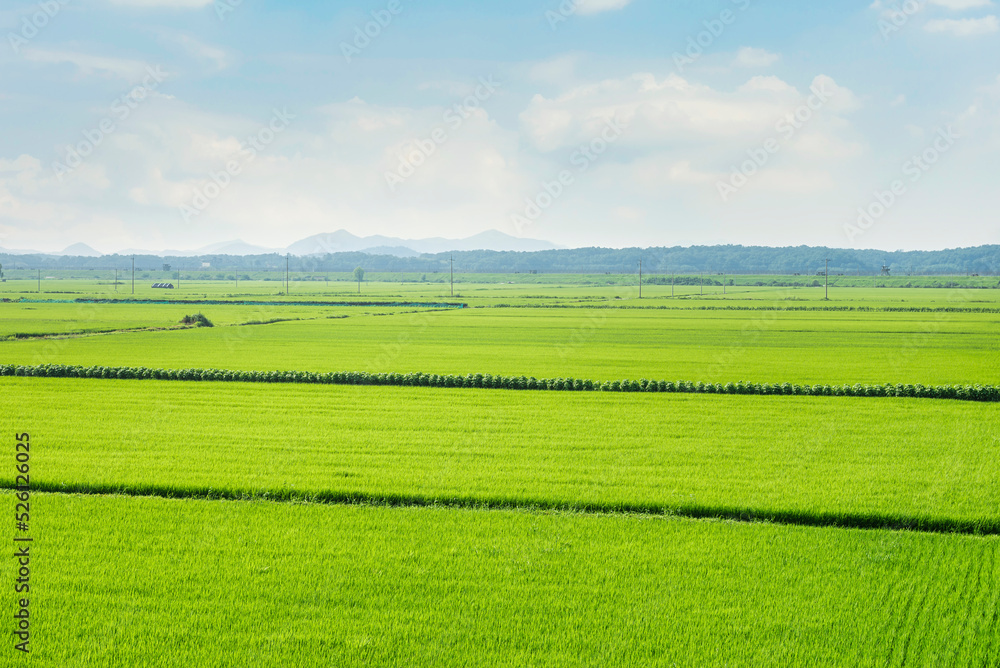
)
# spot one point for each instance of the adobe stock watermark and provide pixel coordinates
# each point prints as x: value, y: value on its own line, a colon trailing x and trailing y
x: 218, y: 181
x: 786, y: 129
x: 582, y: 335
x: 913, y: 170
x: 225, y: 7
x: 35, y: 23
x: 363, y: 35
x: 896, y: 17
x: 391, y: 352
x: 714, y: 28
x: 582, y: 158
x: 563, y: 12
x: 453, y: 118
x: 121, y: 109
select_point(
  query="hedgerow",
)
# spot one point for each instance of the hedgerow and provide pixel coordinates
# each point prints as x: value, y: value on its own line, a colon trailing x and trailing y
x: 990, y: 393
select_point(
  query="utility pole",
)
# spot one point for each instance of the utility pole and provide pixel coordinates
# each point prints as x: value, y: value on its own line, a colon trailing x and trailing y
x: 452, y: 275
x: 133, y: 274
x: 116, y: 279
x: 723, y: 282
x: 286, y: 274
x: 40, y: 281
x: 178, y: 279
x: 701, y: 283
x: 672, y: 276
x: 640, y: 277
x: 827, y: 272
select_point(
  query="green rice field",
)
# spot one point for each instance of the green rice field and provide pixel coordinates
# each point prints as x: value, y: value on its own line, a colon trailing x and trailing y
x: 602, y: 344
x: 256, y: 524
x: 174, y: 582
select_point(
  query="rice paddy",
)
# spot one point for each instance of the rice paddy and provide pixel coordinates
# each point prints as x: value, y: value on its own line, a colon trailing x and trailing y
x: 229, y: 523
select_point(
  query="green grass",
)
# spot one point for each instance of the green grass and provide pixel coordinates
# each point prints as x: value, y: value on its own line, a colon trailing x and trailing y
x: 840, y: 460
x: 488, y: 578
x: 153, y: 582
x: 541, y: 289
x: 55, y: 319
x: 709, y: 346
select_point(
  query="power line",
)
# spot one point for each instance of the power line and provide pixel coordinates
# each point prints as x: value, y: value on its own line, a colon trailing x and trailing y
x: 827, y: 298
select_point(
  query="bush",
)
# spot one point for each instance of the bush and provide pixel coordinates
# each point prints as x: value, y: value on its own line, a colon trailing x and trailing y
x: 196, y: 320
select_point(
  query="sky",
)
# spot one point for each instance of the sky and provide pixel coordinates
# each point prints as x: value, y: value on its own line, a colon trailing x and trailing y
x: 176, y: 124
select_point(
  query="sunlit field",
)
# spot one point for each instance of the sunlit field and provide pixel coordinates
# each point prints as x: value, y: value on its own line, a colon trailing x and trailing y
x: 235, y: 523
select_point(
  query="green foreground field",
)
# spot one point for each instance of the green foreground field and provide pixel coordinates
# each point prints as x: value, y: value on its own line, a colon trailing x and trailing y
x: 155, y: 582
x: 855, y: 461
x: 492, y: 527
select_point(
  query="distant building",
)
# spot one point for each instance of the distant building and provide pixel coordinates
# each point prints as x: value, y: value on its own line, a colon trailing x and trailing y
x: 169, y: 286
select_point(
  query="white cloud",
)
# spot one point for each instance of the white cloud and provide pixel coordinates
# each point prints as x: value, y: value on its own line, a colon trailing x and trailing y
x: 840, y: 99
x: 669, y: 111
x: 825, y: 146
x: 129, y: 70
x: 557, y: 71
x: 964, y: 27
x: 958, y: 5
x: 682, y: 172
x: 769, y: 83
x: 954, y: 5
x: 169, y: 4
x: 597, y: 6
x: 749, y: 56
x: 324, y: 174
x: 220, y: 58
x: 979, y: 123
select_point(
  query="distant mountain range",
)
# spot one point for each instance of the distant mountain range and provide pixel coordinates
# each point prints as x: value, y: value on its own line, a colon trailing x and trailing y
x: 343, y: 241
x: 340, y: 241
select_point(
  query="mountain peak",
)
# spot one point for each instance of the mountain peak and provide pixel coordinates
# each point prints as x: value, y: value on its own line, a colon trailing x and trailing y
x: 81, y: 249
x: 343, y: 241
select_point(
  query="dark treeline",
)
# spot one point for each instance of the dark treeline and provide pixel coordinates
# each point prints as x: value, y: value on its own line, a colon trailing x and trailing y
x: 806, y: 260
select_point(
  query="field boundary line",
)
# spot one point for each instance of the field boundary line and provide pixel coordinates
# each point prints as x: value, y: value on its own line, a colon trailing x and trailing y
x: 860, y: 521
x: 979, y: 393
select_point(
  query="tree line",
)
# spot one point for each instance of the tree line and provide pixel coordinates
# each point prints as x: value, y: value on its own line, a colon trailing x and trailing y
x: 732, y: 259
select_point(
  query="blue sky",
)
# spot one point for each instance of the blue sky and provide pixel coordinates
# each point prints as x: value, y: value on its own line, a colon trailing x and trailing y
x: 179, y: 123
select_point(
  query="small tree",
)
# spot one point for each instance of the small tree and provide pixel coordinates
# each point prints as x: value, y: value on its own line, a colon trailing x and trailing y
x: 359, y: 275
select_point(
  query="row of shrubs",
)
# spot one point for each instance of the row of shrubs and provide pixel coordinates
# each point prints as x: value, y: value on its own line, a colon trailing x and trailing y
x: 477, y: 380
